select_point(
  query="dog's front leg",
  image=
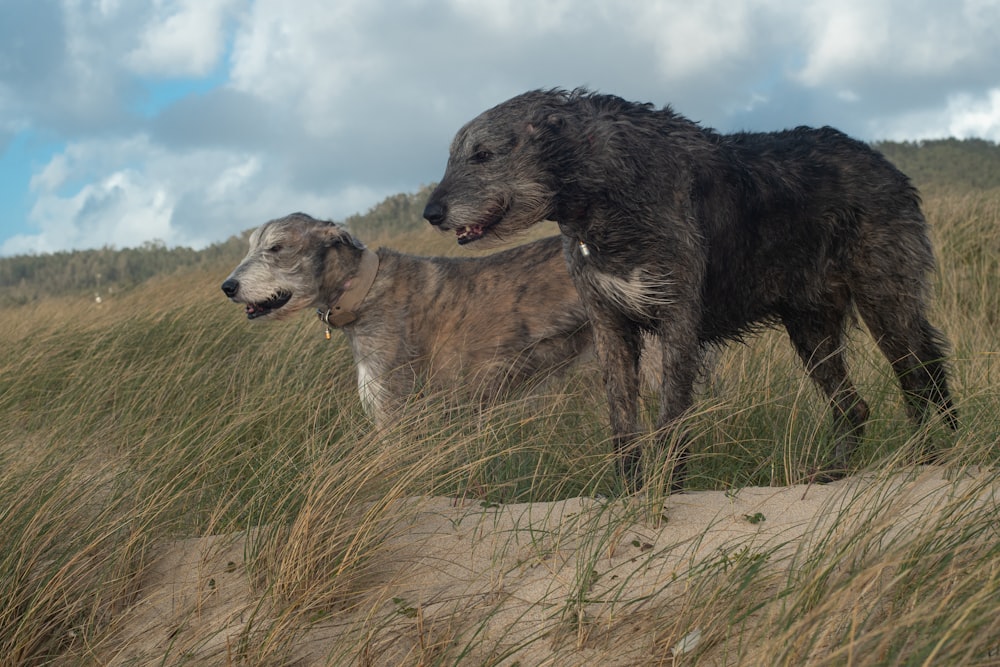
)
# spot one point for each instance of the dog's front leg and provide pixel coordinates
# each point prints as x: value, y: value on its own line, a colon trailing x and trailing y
x: 617, y: 344
x: 679, y: 322
x: 681, y: 359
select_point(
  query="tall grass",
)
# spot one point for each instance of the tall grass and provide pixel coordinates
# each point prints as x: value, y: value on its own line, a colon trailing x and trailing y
x: 162, y: 415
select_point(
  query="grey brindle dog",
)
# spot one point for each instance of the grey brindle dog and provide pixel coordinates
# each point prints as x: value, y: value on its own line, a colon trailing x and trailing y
x: 697, y: 236
x: 489, y: 325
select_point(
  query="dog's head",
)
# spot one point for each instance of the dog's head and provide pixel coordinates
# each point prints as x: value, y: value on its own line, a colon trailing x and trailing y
x: 504, y: 168
x: 293, y: 263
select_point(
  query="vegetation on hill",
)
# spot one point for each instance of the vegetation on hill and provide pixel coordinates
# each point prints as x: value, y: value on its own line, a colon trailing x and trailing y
x: 393, y: 215
x: 946, y: 164
x: 104, y: 272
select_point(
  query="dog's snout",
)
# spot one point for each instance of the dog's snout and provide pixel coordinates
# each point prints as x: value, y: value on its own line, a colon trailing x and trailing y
x: 435, y: 212
x: 230, y: 287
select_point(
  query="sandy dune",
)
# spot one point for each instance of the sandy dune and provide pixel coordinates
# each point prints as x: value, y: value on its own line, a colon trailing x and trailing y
x: 591, y: 581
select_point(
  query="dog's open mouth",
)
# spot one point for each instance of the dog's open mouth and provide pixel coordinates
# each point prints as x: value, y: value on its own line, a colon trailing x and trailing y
x: 470, y: 233
x: 474, y: 232
x: 266, y: 307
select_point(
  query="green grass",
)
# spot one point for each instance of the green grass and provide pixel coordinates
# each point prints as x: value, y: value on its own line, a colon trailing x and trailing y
x: 162, y: 414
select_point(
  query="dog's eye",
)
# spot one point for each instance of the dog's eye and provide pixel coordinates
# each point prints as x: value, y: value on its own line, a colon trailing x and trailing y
x: 479, y: 157
x: 275, y: 249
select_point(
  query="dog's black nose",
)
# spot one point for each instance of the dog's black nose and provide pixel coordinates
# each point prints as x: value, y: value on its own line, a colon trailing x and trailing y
x: 230, y: 287
x: 435, y: 212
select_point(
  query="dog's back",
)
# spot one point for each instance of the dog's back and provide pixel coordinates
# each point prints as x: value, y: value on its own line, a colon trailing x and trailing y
x: 488, y: 324
x: 787, y: 214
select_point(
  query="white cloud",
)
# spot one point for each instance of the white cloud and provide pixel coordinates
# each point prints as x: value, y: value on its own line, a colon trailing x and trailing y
x: 115, y: 205
x: 308, y: 58
x: 693, y: 38
x: 53, y: 175
x: 972, y: 117
x: 85, y: 197
x: 516, y: 18
x: 330, y: 106
x: 80, y: 72
x: 841, y: 38
x: 86, y: 87
x: 962, y: 115
x: 181, y: 39
x: 861, y: 39
x: 233, y: 180
x: 122, y: 209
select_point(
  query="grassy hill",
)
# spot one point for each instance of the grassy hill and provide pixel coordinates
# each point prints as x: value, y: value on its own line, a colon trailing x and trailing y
x: 160, y: 419
x: 947, y: 165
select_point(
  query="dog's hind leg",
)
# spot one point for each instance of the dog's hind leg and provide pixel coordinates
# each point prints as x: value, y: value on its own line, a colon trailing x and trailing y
x: 891, y: 289
x: 818, y: 338
x: 916, y: 351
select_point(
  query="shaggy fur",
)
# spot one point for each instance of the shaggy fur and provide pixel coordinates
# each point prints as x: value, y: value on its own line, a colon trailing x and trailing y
x: 488, y: 325
x: 698, y: 237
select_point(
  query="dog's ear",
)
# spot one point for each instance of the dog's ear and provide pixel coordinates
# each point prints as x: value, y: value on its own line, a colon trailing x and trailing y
x: 557, y: 132
x: 548, y: 123
x: 554, y: 117
x: 334, y: 235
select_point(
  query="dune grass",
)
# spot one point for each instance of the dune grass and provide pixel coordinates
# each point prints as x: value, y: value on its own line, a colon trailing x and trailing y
x: 162, y: 414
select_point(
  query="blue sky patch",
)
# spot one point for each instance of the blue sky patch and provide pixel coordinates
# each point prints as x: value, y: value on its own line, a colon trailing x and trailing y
x: 26, y: 148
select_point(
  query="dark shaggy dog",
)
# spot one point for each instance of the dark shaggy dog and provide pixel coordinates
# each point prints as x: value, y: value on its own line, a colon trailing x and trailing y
x: 675, y: 229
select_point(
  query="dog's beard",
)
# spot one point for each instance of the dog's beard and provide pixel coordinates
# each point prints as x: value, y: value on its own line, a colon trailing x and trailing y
x: 481, y: 224
x: 503, y: 220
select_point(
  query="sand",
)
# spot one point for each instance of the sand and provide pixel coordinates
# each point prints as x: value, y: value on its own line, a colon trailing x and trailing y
x: 580, y: 581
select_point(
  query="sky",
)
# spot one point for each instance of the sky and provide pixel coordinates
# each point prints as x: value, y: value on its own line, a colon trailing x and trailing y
x: 187, y: 121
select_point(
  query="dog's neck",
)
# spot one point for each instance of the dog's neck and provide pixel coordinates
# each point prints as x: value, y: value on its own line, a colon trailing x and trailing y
x: 345, y: 309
